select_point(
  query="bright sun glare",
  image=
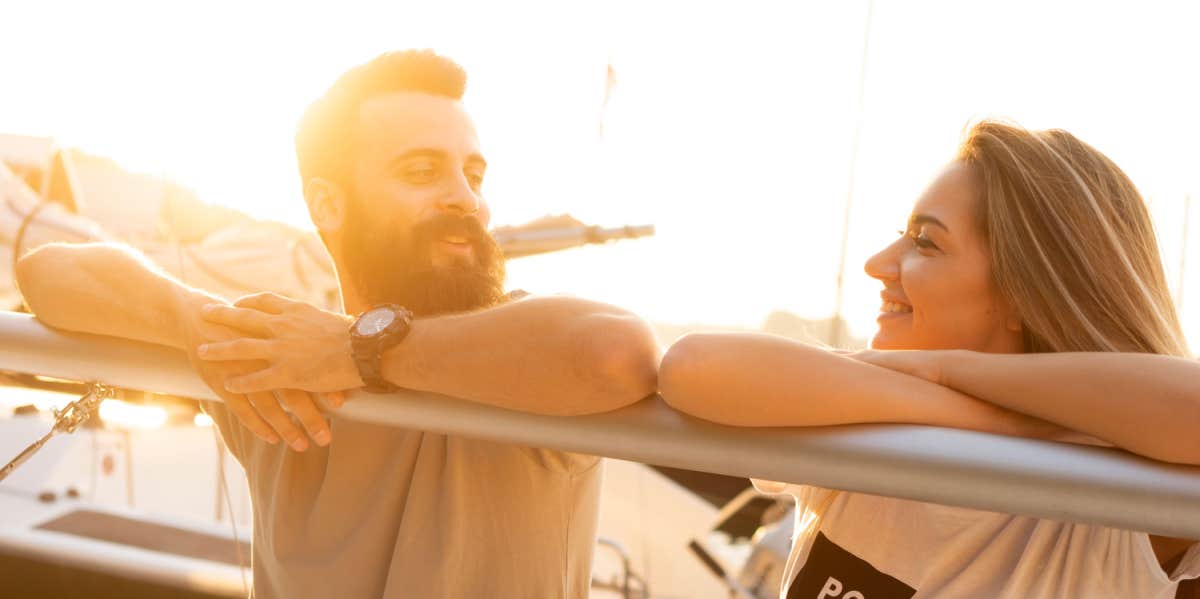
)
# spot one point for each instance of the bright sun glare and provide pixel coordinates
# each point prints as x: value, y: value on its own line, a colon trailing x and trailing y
x: 729, y: 127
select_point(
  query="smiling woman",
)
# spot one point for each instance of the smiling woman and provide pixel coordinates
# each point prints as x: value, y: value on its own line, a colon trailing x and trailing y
x: 943, y: 254
x: 1029, y: 279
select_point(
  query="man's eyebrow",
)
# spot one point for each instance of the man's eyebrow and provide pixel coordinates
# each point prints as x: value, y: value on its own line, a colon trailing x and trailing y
x: 921, y: 219
x: 477, y: 159
x: 436, y: 154
x: 419, y: 153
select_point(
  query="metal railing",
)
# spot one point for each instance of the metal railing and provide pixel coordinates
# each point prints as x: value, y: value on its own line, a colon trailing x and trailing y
x: 952, y: 467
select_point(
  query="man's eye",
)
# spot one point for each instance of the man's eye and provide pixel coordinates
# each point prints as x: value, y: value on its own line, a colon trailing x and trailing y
x: 420, y: 175
x: 475, y: 180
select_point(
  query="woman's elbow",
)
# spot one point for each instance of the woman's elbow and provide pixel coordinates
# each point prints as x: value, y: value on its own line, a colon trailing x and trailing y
x: 682, y: 375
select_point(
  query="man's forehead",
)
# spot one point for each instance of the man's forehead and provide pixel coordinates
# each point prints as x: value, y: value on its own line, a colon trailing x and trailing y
x: 399, y: 120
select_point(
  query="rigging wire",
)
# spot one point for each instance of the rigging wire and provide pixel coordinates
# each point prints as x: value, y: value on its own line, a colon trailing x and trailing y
x: 836, y: 329
x: 222, y: 486
x: 66, y: 421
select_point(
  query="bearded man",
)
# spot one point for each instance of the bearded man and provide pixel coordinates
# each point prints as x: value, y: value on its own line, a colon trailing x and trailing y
x: 393, y: 177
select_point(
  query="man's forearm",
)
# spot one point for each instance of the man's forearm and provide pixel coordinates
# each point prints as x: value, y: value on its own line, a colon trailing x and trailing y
x: 551, y: 355
x: 106, y: 290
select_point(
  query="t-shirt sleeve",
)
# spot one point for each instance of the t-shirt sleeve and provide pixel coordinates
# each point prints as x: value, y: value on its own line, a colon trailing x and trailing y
x: 561, y: 461
x: 769, y: 487
x: 1189, y: 566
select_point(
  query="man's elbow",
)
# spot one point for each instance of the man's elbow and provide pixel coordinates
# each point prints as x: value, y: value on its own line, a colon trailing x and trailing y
x: 33, y: 283
x: 622, y: 354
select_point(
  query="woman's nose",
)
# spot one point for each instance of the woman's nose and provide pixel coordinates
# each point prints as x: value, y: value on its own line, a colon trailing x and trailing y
x: 885, y: 265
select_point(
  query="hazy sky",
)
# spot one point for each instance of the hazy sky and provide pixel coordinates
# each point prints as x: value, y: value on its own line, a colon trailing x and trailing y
x: 730, y: 128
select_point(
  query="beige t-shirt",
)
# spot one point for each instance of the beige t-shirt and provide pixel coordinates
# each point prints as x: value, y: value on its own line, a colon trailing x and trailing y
x: 384, y: 512
x: 856, y: 546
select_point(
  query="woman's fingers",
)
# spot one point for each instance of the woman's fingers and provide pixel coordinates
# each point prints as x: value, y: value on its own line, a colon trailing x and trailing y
x: 268, y: 407
x: 244, y: 319
x: 304, y: 408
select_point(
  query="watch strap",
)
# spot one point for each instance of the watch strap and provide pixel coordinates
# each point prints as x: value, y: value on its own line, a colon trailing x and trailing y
x: 368, y: 350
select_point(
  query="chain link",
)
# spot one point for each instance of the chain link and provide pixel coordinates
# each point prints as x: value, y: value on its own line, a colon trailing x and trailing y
x: 65, y: 421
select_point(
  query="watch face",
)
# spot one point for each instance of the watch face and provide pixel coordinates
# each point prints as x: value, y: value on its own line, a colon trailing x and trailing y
x: 374, y: 322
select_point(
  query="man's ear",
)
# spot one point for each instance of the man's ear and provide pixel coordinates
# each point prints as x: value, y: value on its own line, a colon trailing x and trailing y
x: 326, y: 204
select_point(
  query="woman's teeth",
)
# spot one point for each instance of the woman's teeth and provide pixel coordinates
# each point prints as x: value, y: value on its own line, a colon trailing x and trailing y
x: 894, y: 307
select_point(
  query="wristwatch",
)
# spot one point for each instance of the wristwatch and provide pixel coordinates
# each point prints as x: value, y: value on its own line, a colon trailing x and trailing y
x: 374, y: 332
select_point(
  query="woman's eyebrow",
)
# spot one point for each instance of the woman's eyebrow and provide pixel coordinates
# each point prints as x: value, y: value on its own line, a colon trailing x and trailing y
x: 921, y: 219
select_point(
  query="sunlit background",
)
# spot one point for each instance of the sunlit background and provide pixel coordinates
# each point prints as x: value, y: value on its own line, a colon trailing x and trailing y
x: 730, y: 126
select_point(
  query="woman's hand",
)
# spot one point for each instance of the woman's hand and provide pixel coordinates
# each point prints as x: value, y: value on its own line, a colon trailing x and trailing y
x: 924, y: 364
x: 304, y: 347
x: 930, y: 366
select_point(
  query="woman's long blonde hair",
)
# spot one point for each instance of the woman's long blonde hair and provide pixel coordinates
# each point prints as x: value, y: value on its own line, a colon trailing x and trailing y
x: 1071, y: 243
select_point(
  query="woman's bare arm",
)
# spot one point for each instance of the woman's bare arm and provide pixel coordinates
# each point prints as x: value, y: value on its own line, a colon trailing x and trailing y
x: 1148, y: 404
x: 763, y: 380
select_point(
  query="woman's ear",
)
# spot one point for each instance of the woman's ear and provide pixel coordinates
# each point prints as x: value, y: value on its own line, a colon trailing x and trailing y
x: 1013, y: 322
x: 326, y: 204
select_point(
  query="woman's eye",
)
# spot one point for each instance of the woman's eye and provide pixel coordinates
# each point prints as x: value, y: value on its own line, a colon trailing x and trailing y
x: 923, y: 242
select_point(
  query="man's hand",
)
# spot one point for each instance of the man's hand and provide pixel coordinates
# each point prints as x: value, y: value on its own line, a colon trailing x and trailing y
x: 260, y: 412
x: 304, y: 347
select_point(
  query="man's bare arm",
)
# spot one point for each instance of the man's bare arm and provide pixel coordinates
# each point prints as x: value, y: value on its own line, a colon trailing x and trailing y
x: 107, y: 289
x: 549, y: 355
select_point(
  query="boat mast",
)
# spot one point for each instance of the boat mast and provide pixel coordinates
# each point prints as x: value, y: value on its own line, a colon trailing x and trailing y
x: 837, y: 332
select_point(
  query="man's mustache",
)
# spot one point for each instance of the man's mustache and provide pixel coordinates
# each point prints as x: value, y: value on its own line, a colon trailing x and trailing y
x: 453, y: 225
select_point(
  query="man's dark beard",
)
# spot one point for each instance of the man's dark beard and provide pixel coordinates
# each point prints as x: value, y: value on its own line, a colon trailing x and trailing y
x: 389, y: 264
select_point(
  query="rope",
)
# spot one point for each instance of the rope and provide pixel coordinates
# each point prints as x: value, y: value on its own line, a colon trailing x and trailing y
x: 223, y: 485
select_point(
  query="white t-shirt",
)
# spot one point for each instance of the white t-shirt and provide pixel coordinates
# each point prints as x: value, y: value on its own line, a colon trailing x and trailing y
x: 385, y: 512
x: 855, y: 546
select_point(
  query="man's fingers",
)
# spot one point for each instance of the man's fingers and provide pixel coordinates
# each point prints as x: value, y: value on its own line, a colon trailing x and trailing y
x: 250, y: 321
x: 255, y: 382
x: 268, y: 406
x: 264, y: 302
x: 304, y: 408
x: 335, y: 399
x: 249, y: 417
x: 238, y: 349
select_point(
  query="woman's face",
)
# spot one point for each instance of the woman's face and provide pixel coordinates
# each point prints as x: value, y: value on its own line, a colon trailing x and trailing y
x: 937, y: 285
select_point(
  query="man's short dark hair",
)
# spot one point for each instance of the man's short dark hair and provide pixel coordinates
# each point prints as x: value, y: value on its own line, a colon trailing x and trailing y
x: 325, y: 138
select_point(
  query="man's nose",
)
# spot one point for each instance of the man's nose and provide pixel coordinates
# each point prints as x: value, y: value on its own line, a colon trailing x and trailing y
x: 460, y: 198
